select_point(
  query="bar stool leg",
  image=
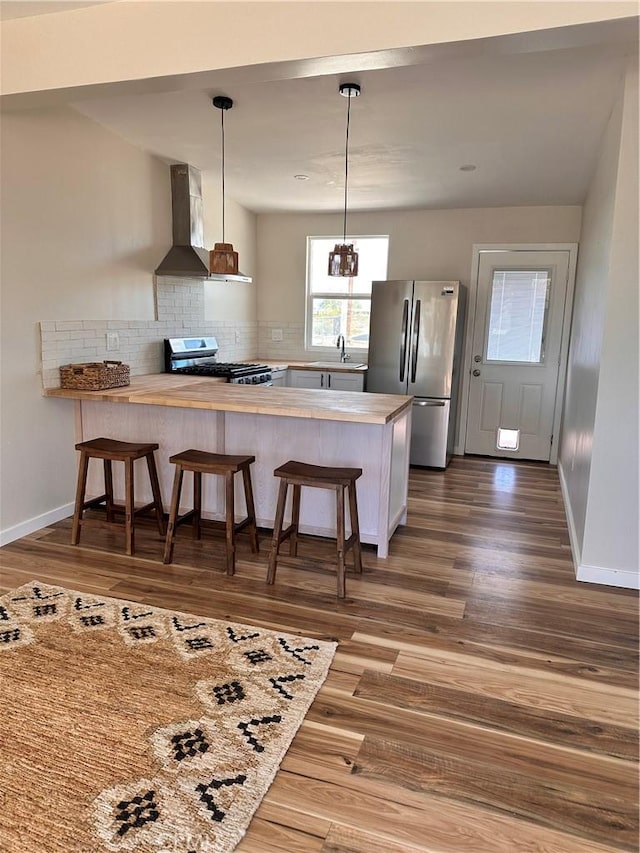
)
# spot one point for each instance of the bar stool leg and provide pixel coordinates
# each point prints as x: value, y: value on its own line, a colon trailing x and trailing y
x: 295, y: 520
x: 129, y: 506
x: 340, y: 540
x: 355, y: 528
x: 173, y: 515
x: 108, y: 488
x: 83, y: 468
x: 277, y: 532
x: 251, y: 510
x: 230, y: 522
x: 155, y: 490
x: 197, y: 504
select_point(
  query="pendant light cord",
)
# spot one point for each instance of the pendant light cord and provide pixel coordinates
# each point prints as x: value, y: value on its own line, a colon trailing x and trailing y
x: 222, y: 125
x: 346, y: 171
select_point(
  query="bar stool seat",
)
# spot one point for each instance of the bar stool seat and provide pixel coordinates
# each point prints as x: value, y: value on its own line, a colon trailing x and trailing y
x: 111, y: 450
x: 298, y: 474
x: 201, y: 462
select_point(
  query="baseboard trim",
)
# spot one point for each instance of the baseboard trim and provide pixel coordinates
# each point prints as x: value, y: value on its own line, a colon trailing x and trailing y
x: 573, y: 538
x: 608, y: 577
x: 10, y: 534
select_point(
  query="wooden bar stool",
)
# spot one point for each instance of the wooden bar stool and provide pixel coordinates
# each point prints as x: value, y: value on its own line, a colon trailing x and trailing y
x: 110, y: 450
x: 298, y: 474
x: 200, y: 462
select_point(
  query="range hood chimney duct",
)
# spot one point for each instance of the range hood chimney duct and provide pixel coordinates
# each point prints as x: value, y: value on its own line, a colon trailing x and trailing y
x: 187, y: 257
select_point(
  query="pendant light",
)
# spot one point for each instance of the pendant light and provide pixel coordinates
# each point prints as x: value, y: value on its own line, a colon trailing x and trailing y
x: 223, y: 260
x: 343, y: 261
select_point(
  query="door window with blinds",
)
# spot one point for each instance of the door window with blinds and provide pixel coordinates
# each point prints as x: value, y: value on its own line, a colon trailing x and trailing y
x: 518, y: 307
x: 341, y: 305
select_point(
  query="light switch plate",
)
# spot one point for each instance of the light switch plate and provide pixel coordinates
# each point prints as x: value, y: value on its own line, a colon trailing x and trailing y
x: 276, y: 334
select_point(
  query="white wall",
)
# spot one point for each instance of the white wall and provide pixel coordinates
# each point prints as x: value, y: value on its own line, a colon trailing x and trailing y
x: 230, y: 300
x: 426, y: 244
x: 599, y: 445
x: 613, y: 512
x: 85, y: 218
x: 589, y: 309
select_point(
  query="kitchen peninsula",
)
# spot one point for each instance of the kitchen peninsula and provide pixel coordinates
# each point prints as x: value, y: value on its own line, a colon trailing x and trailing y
x: 369, y: 431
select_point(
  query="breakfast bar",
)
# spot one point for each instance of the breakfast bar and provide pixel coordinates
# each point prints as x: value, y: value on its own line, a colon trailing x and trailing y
x: 276, y: 424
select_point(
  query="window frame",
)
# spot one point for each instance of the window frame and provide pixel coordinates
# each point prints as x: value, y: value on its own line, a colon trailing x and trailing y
x: 309, y: 296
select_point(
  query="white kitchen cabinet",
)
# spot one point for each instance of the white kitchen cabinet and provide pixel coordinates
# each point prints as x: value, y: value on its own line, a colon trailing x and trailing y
x: 340, y: 380
x: 334, y: 380
x: 306, y: 379
x: 279, y: 377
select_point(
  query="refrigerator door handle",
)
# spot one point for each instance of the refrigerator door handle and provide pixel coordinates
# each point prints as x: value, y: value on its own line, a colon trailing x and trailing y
x: 416, y: 337
x: 403, y: 339
x: 428, y: 402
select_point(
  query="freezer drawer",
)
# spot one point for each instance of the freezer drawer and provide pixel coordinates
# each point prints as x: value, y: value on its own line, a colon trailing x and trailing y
x: 430, y: 421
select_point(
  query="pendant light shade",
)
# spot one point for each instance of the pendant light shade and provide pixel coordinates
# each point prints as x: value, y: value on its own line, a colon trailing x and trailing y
x: 223, y: 260
x: 343, y: 261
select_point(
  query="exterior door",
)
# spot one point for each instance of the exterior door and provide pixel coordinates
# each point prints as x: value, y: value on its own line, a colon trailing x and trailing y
x: 517, y: 339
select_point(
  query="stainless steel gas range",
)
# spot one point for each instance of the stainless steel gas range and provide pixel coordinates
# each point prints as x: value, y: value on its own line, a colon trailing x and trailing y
x: 197, y: 357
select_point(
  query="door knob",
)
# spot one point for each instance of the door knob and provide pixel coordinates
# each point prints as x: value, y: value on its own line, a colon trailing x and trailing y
x: 476, y: 372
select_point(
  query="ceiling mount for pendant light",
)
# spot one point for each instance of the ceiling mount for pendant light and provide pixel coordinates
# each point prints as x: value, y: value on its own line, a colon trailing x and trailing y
x: 223, y: 260
x: 343, y: 261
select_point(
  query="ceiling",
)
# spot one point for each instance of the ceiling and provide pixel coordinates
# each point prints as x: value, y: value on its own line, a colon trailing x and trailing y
x: 11, y: 9
x: 529, y: 119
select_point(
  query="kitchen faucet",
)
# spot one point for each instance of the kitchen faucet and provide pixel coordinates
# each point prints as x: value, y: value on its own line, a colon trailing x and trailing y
x: 340, y: 344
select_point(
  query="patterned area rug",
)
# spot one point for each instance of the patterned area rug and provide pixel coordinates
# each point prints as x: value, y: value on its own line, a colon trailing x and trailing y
x: 131, y: 728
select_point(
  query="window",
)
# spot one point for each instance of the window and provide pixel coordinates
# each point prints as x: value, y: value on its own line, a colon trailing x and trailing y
x: 340, y: 306
x: 517, y: 316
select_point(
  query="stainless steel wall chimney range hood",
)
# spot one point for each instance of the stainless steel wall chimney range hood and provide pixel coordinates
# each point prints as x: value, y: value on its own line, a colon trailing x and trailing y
x: 187, y: 257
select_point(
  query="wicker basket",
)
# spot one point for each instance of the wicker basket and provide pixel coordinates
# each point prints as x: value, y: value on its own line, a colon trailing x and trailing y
x: 94, y: 375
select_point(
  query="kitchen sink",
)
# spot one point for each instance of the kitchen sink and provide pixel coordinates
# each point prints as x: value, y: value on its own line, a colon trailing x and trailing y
x: 335, y: 365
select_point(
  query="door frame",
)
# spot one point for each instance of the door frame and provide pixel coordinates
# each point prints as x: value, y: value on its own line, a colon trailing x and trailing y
x: 472, y: 304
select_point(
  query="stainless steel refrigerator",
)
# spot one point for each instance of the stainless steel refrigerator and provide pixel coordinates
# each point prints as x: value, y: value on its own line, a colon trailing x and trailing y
x: 415, y: 347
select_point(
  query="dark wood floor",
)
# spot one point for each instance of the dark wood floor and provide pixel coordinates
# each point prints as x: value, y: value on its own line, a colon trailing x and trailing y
x: 481, y: 700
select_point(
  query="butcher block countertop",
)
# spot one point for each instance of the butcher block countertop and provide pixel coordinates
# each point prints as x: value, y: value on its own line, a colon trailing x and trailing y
x: 217, y: 395
x: 337, y: 366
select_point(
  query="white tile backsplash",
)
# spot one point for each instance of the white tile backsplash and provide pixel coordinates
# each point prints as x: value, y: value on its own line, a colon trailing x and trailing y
x: 179, y: 307
x: 291, y: 346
